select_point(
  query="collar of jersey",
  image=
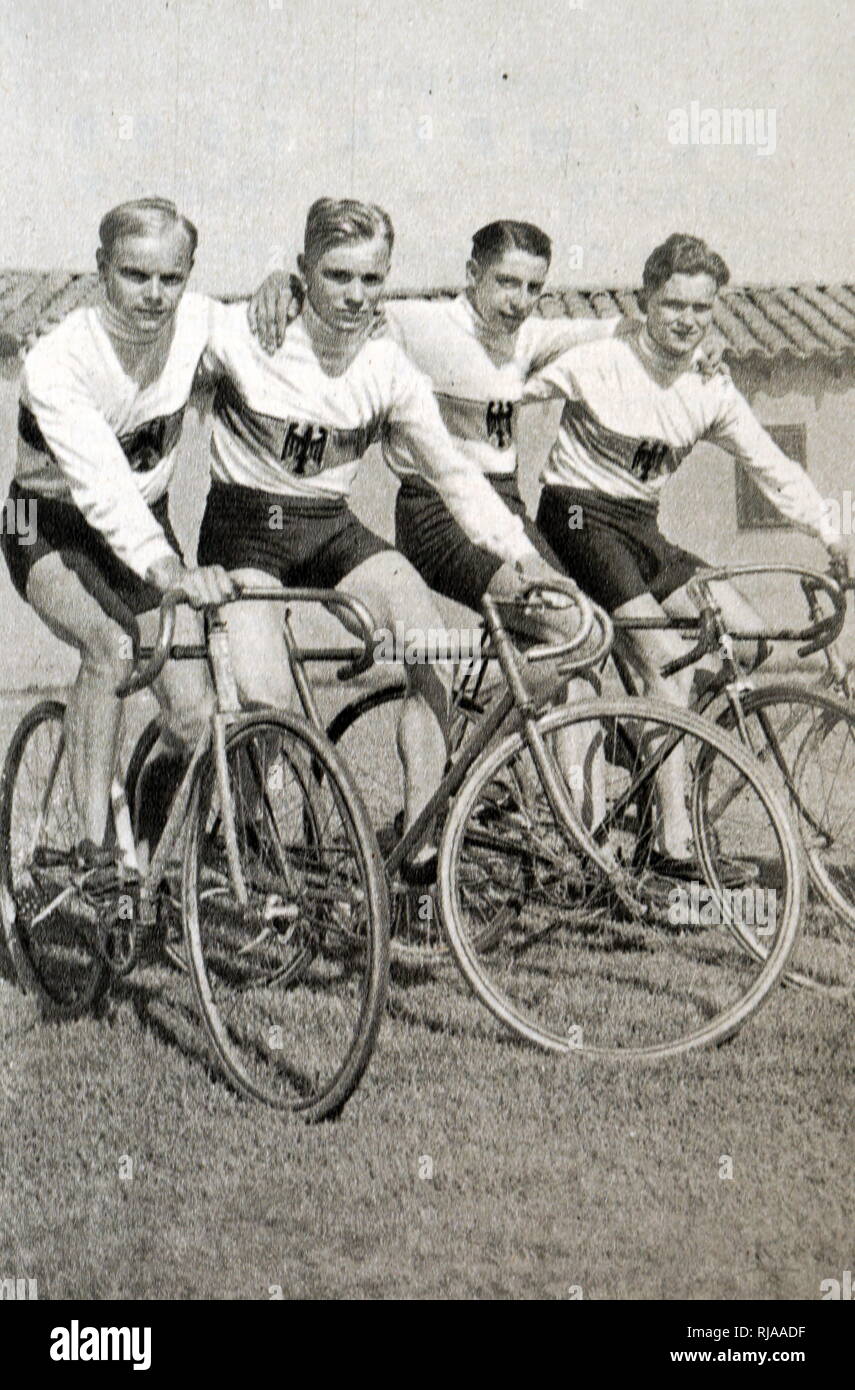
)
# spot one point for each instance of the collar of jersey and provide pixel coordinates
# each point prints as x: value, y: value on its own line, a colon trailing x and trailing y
x: 123, y: 330
x: 503, y: 344
x: 327, y: 343
x: 659, y: 361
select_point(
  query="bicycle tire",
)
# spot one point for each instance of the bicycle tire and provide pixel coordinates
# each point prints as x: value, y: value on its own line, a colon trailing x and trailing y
x: 56, y: 959
x: 327, y: 968
x: 714, y: 984
x: 807, y: 739
x: 139, y: 756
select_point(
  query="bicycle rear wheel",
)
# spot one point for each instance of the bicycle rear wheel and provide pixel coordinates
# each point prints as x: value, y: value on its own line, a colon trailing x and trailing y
x: 577, y: 941
x: 806, y: 741
x: 49, y: 930
x: 287, y: 927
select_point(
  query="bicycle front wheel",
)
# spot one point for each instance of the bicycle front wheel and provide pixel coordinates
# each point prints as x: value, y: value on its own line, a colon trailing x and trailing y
x: 596, y: 941
x: 286, y: 917
x: 50, y: 932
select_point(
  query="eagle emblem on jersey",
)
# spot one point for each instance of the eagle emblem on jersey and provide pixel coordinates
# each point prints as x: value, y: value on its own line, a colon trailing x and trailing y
x: 145, y: 447
x: 651, y: 459
x: 500, y: 423
x: 304, y: 449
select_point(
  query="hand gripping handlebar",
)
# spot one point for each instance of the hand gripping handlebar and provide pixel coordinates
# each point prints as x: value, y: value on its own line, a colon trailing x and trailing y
x: 148, y: 666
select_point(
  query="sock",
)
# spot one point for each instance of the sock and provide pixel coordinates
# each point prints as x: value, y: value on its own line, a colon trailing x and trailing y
x: 159, y: 781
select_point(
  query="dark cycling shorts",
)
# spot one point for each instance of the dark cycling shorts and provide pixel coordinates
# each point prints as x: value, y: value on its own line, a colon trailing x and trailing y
x: 612, y: 547
x: 61, y: 527
x: 305, y: 543
x: 449, y: 562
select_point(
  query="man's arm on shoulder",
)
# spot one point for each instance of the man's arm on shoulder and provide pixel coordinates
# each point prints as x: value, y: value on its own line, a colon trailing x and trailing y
x: 553, y: 381
x: 553, y: 337
x: 274, y: 304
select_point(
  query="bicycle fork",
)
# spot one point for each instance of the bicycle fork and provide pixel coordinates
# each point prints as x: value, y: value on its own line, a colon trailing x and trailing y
x: 551, y: 778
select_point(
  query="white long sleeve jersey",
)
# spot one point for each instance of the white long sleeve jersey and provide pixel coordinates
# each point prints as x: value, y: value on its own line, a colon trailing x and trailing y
x: 90, y: 433
x: 287, y: 426
x: 631, y: 418
x: 478, y: 376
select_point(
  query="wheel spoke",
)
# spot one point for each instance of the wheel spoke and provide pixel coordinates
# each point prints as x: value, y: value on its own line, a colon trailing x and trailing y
x: 299, y: 972
x: 559, y: 941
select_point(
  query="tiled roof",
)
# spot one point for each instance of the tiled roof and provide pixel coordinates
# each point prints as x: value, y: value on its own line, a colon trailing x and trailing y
x: 802, y: 321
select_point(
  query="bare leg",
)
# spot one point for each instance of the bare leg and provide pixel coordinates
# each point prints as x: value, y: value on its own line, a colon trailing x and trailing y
x: 257, y: 646
x: 93, y: 711
x: 647, y: 652
x: 394, y: 592
x: 183, y: 689
x: 186, y: 699
x: 577, y: 749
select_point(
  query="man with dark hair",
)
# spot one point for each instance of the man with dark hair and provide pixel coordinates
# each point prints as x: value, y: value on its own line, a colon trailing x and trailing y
x: 681, y: 254
x: 478, y: 350
x: 492, y: 241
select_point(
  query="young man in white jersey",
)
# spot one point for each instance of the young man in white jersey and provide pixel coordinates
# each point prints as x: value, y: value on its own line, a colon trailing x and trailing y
x: 290, y: 430
x: 101, y: 407
x: 478, y: 350
x: 635, y: 407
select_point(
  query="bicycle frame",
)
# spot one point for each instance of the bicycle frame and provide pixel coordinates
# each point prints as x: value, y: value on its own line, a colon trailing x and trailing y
x: 516, y: 699
x: 714, y: 637
x: 228, y: 706
x: 734, y: 680
x: 358, y: 660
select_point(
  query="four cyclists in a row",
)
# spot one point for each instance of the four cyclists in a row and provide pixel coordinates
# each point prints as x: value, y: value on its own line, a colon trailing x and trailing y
x: 301, y: 387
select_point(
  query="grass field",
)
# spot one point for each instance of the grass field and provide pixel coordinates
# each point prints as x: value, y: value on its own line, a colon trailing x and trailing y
x: 546, y: 1173
x: 465, y: 1166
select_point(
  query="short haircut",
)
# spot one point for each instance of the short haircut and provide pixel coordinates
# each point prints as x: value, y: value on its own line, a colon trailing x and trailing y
x: 337, y: 221
x: 681, y: 254
x: 141, y: 216
x: 491, y: 242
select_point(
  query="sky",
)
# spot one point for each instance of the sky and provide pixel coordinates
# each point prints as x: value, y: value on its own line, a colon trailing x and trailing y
x: 450, y: 114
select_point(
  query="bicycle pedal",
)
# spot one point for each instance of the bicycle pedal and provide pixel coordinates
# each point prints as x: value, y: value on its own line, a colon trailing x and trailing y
x: 101, y: 886
x: 46, y: 857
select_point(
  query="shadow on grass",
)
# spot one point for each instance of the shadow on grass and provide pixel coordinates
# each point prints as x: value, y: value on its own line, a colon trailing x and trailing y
x: 163, y: 1014
x: 475, y: 1025
x: 7, y: 969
